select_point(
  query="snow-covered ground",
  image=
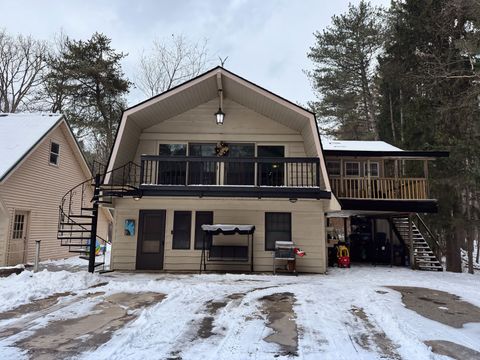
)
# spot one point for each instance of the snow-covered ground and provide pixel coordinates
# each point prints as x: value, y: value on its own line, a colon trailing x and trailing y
x: 327, y: 326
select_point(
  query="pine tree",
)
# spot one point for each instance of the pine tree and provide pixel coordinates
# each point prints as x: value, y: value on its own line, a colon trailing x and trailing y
x: 86, y: 83
x: 429, y: 100
x: 343, y: 76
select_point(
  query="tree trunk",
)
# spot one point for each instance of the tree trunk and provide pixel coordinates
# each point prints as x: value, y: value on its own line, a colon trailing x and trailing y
x: 454, y: 259
x: 478, y: 246
x: 368, y: 100
x: 470, y: 249
x: 392, y: 123
x: 402, y: 136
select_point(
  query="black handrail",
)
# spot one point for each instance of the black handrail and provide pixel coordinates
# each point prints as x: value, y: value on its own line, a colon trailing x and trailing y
x: 65, y: 210
x: 157, y: 170
x: 432, y: 237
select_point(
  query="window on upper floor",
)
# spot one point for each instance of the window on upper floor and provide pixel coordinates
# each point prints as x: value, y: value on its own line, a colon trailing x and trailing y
x: 54, y: 153
x: 352, y: 168
x: 172, y: 172
x: 333, y: 168
x: 374, y: 169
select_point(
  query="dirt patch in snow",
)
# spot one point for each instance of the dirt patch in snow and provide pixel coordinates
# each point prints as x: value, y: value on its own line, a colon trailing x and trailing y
x: 7, y: 271
x: 453, y: 350
x: 35, y: 305
x: 372, y: 336
x: 439, y: 306
x: 39, y: 309
x: 206, y: 325
x: 278, y: 308
x: 67, y: 338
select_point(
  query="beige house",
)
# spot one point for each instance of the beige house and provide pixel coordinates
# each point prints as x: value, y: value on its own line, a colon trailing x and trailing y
x: 39, y: 162
x: 217, y: 149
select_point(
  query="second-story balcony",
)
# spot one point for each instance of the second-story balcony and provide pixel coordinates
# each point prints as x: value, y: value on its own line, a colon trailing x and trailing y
x: 377, y: 188
x: 231, y: 177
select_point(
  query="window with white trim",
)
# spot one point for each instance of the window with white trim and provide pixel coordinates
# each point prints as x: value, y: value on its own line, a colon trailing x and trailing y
x: 333, y: 168
x: 374, y: 169
x: 352, y: 168
x: 18, y: 226
x: 54, y: 153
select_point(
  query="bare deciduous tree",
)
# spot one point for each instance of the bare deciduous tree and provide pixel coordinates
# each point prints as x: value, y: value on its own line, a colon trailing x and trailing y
x: 170, y: 63
x: 22, y: 61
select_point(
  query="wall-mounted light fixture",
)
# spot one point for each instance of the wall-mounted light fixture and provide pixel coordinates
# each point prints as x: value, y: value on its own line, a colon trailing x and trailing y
x: 220, y: 115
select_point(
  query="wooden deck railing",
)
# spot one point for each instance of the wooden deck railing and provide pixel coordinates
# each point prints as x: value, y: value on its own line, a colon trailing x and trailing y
x: 380, y: 188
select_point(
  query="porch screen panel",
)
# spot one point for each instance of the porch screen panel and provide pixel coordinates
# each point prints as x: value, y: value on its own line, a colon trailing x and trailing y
x: 240, y: 173
x: 278, y: 227
x: 182, y: 223
x: 203, y: 172
x: 172, y: 172
x: 270, y: 174
x: 202, y: 218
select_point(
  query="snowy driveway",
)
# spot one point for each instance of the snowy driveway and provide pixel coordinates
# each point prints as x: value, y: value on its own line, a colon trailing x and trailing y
x: 348, y: 314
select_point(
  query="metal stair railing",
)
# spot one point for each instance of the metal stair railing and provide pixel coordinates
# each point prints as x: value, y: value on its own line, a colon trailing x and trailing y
x: 424, y: 257
x: 81, y: 235
x: 431, y: 239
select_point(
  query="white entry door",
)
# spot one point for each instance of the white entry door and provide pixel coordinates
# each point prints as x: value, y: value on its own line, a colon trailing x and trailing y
x: 17, y: 250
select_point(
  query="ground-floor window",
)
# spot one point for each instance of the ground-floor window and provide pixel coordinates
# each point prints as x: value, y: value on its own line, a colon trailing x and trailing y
x: 182, y: 224
x: 278, y: 227
x: 201, y: 218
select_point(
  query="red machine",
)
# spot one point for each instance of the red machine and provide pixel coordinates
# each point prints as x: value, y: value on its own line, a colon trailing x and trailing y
x: 343, y: 256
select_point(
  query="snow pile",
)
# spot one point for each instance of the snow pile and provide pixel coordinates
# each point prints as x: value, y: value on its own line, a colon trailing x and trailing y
x: 20, y: 289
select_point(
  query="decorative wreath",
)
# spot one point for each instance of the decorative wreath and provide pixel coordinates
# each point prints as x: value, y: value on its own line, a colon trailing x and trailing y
x: 221, y: 149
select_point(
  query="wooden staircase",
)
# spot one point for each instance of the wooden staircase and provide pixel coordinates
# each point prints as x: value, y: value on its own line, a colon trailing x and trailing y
x: 79, y: 211
x: 423, y: 256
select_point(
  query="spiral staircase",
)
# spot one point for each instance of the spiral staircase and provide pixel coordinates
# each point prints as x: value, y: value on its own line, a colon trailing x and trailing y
x: 80, y: 208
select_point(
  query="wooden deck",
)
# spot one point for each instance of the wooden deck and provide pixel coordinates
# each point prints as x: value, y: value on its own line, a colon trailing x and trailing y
x: 380, y: 188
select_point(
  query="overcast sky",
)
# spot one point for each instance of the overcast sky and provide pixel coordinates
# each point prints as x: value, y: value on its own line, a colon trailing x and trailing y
x: 265, y: 41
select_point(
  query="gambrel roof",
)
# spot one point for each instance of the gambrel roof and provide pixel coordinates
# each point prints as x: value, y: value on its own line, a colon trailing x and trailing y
x: 202, y: 89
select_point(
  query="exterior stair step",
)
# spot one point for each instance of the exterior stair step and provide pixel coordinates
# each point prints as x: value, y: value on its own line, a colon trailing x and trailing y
x: 75, y: 224
x: 97, y: 264
x: 79, y: 251
x: 73, y: 237
x: 82, y: 216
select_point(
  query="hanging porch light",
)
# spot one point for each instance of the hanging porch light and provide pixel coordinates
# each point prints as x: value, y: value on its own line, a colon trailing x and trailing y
x: 220, y: 115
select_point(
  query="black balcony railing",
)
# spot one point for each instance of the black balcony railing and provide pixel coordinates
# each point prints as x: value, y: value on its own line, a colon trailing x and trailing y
x: 159, y: 171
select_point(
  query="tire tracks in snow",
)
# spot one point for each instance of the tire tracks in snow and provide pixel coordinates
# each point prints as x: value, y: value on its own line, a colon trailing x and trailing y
x: 221, y: 317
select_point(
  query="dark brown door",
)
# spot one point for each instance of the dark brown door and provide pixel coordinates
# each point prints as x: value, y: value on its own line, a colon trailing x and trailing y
x: 151, y: 240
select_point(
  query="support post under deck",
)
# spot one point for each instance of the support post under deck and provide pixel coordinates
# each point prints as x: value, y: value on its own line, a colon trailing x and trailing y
x: 410, y: 238
x: 93, y: 236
